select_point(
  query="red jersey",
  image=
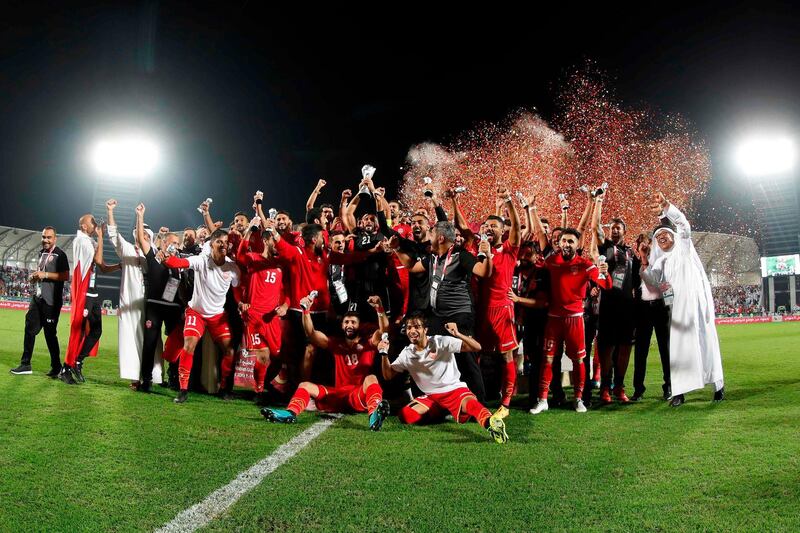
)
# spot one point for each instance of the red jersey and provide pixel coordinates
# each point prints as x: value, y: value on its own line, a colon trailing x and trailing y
x: 265, y: 289
x: 494, y: 289
x: 568, y: 282
x: 353, y: 362
x: 309, y: 272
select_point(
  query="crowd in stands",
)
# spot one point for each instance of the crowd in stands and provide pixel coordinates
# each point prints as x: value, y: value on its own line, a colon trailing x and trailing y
x: 15, y: 284
x: 732, y: 300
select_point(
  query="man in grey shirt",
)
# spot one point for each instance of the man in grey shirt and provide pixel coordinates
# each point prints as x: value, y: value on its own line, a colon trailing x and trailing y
x: 47, y: 282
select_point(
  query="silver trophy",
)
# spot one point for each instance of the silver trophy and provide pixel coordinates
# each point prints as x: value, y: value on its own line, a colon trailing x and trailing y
x: 600, y: 260
x: 461, y: 189
x: 367, y: 171
x: 600, y: 190
x: 311, y: 296
x: 522, y: 200
x: 484, y: 238
x: 428, y: 191
x: 564, y: 202
x: 208, y: 202
x: 584, y: 189
x: 272, y: 214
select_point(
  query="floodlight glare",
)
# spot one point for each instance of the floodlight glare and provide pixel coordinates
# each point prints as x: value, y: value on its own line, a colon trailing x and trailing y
x: 125, y: 157
x: 765, y: 156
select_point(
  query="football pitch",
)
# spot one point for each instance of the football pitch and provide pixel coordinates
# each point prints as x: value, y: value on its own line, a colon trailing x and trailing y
x: 98, y: 457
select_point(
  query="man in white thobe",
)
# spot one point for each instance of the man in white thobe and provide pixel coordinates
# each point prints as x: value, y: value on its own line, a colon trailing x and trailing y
x: 674, y: 266
x: 131, y: 303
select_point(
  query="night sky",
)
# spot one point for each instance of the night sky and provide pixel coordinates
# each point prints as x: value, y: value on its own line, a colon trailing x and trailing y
x: 244, y: 97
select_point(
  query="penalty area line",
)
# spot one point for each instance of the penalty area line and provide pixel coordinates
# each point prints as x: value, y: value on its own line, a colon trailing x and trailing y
x: 220, y: 500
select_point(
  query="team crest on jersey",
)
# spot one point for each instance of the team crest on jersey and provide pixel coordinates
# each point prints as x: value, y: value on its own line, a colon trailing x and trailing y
x: 85, y: 313
x: 148, y: 324
x: 574, y: 270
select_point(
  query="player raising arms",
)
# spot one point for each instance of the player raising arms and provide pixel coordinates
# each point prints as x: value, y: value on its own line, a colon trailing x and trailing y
x: 570, y: 274
x: 432, y: 365
x: 263, y: 305
x: 214, y: 274
x: 356, y: 389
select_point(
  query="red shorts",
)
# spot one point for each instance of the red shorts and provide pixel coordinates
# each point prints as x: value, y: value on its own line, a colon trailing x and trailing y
x: 342, y: 399
x: 446, y: 401
x: 496, y: 329
x: 195, y: 325
x: 568, y: 330
x: 263, y: 334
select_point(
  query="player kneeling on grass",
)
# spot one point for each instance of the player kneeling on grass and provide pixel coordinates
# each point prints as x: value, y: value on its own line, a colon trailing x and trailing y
x: 432, y: 365
x: 356, y: 389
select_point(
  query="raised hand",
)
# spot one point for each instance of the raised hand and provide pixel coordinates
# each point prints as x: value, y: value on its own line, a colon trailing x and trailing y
x: 140, y: 210
x: 375, y: 301
x: 451, y: 328
x: 347, y: 193
x: 111, y: 204
x: 320, y: 185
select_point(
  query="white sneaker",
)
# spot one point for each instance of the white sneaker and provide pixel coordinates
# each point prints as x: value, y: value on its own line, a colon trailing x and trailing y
x: 540, y: 407
x: 579, y: 407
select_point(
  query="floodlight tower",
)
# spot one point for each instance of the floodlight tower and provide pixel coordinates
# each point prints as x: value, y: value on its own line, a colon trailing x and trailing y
x: 769, y: 163
x: 121, y: 163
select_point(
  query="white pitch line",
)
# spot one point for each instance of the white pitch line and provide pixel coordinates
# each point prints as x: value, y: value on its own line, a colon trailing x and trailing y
x: 220, y: 500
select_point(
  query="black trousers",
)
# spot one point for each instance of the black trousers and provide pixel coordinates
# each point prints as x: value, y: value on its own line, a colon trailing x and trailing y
x: 41, y: 316
x: 467, y: 361
x: 94, y: 317
x: 651, y: 316
x: 155, y: 316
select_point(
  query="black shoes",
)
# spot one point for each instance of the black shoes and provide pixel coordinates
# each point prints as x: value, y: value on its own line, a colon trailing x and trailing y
x: 677, y: 400
x: 182, y: 396
x: 667, y: 393
x: 719, y: 395
x: 637, y: 396
x: 66, y: 375
x: 145, y: 386
x: 78, y: 372
x: 22, y: 370
x: 54, y: 372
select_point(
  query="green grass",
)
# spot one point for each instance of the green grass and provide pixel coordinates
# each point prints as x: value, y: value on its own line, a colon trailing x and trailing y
x: 99, y: 457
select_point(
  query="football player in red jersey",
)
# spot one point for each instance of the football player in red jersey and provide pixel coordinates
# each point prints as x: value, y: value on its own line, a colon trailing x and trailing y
x: 263, y: 305
x: 356, y: 389
x: 570, y: 274
x: 496, y: 330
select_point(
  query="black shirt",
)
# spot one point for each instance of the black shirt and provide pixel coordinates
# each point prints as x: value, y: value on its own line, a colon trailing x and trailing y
x: 620, y: 264
x: 53, y: 262
x: 157, y: 277
x: 452, y: 273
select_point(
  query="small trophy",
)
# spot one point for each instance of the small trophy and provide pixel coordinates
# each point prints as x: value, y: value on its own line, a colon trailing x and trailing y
x: 584, y: 188
x: 461, y: 189
x: 428, y: 191
x: 564, y: 202
x: 311, y: 296
x: 272, y: 214
x: 367, y: 171
x: 522, y: 200
x: 384, y: 337
x: 208, y: 202
x: 600, y: 260
x: 484, y: 238
x: 600, y: 190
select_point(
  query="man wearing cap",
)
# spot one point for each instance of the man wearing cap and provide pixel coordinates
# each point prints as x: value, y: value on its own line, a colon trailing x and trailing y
x: 674, y: 266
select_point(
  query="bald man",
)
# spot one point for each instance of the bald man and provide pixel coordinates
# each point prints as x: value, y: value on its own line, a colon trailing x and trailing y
x: 86, y: 321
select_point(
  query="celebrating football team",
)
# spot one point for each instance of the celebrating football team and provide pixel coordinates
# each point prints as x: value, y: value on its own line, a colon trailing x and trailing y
x: 376, y: 307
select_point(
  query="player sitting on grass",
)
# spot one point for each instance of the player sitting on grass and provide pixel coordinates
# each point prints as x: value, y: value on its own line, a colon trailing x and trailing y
x: 432, y: 365
x: 356, y: 388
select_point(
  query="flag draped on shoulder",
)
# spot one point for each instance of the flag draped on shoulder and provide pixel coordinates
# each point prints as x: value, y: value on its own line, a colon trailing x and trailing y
x: 83, y: 248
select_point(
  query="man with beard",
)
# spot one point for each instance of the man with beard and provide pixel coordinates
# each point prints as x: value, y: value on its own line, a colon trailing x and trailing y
x: 52, y: 271
x: 356, y: 389
x: 309, y: 272
x: 189, y: 242
x: 429, y: 360
x: 263, y: 306
x: 449, y: 271
x: 214, y: 274
x: 570, y: 275
x: 496, y: 310
x: 369, y: 277
x: 674, y: 266
x: 617, y: 311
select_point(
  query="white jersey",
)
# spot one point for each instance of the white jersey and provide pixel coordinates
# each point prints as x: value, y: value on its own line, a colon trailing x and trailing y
x: 211, y: 284
x: 434, y: 368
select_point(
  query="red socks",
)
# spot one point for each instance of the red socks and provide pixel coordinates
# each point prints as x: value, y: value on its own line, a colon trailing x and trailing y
x: 300, y: 401
x: 226, y: 370
x: 185, y: 368
x: 475, y: 409
x: 173, y: 346
x: 259, y: 375
x: 547, y: 377
x: 374, y: 395
x: 509, y: 382
x: 409, y: 416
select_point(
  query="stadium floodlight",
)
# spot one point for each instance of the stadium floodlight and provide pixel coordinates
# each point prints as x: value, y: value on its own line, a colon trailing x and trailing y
x: 131, y: 156
x: 762, y: 156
